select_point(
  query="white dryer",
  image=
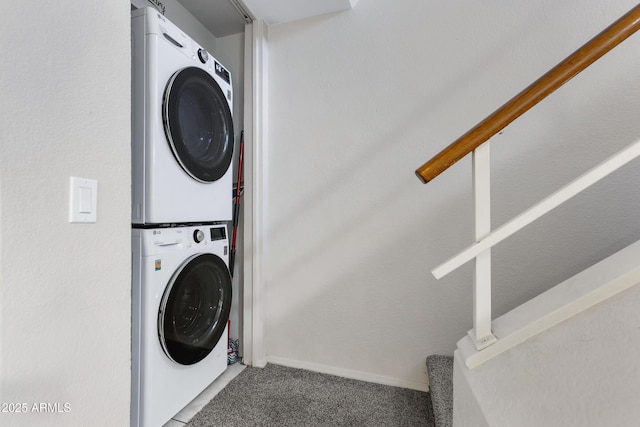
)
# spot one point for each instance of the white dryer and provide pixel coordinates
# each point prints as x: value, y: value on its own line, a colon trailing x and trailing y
x: 182, y: 126
x: 181, y: 297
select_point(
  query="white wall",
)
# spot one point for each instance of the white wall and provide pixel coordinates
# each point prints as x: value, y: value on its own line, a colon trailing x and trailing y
x: 358, y: 100
x: 65, y: 84
x: 583, y: 372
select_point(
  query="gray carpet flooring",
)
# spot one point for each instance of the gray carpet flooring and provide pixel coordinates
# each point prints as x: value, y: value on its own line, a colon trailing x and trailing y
x: 440, y: 370
x: 282, y: 396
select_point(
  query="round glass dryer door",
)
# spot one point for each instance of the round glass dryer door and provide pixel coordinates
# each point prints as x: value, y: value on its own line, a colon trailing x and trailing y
x: 195, y: 309
x: 198, y: 124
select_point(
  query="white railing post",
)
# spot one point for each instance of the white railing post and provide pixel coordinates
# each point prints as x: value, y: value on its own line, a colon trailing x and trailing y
x: 481, y: 333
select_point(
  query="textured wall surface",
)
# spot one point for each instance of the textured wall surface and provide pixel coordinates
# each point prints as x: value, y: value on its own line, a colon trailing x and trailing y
x: 583, y: 372
x: 358, y: 100
x: 66, y: 304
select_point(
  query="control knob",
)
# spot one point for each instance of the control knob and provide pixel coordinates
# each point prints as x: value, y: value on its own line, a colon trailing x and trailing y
x: 203, y: 55
x: 198, y: 236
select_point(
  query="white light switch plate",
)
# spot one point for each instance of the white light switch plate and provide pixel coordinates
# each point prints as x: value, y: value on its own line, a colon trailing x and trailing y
x: 83, y: 200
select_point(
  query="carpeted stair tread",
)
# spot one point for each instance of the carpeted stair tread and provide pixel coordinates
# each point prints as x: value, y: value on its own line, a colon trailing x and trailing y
x: 440, y: 372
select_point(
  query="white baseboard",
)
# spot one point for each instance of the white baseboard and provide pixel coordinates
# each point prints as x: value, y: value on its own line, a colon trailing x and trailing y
x: 347, y: 373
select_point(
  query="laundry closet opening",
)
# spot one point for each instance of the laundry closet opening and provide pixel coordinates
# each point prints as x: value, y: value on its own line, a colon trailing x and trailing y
x: 187, y: 121
x: 223, y: 37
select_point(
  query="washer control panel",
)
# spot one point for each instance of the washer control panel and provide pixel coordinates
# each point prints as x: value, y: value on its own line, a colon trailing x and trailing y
x: 215, y: 233
x: 170, y: 239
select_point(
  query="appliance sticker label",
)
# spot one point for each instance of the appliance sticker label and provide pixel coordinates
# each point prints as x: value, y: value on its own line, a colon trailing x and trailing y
x: 158, y: 264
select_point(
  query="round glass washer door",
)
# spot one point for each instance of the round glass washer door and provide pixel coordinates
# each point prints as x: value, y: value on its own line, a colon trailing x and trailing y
x: 198, y: 124
x: 195, y: 309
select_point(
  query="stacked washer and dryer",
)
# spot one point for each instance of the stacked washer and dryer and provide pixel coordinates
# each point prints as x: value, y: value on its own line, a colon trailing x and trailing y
x: 182, y: 145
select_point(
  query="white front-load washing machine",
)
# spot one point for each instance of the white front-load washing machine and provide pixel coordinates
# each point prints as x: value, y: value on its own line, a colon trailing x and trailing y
x: 182, y: 126
x: 181, y: 297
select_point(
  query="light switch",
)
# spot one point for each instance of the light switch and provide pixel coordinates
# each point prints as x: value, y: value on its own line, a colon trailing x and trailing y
x: 83, y: 200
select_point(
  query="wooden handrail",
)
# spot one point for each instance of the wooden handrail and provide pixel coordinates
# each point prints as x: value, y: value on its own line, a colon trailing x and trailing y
x: 536, y: 92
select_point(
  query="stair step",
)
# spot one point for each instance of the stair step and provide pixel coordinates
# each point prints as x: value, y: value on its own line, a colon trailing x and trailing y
x: 440, y: 372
